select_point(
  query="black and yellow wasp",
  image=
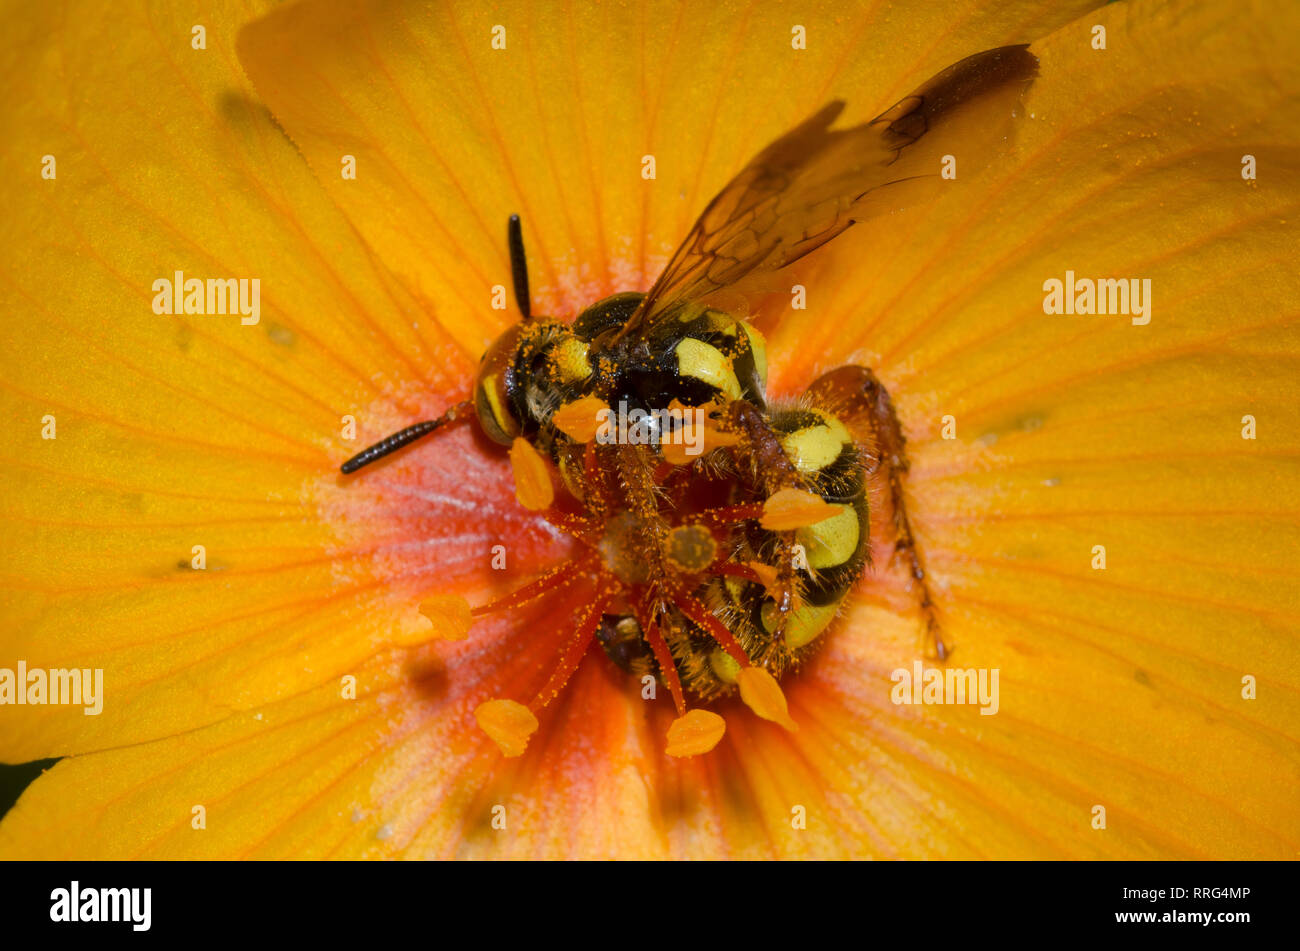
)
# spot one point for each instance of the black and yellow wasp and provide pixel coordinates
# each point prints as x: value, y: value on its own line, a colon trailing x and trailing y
x: 738, y: 559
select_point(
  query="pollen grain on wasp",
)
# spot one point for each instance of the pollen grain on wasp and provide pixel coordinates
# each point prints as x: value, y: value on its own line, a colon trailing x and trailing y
x: 718, y: 532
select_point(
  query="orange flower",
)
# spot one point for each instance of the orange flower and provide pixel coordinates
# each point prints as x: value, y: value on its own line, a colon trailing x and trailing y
x: 282, y: 700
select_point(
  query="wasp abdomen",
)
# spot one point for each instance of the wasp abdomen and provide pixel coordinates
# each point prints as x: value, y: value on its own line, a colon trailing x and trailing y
x: 830, y: 558
x: 831, y: 555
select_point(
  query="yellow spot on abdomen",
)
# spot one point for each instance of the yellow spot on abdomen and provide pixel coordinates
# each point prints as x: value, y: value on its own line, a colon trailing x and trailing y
x: 812, y: 449
x: 725, y: 667
x: 705, y: 362
x: 804, y: 623
x: 831, y: 541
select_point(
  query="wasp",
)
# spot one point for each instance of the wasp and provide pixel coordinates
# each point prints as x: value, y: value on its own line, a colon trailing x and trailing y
x: 720, y: 571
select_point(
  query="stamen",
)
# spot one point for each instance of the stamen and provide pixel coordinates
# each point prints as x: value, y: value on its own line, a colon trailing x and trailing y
x: 533, y: 486
x: 694, y: 733
x: 789, y: 509
x: 595, y: 490
x: 588, y: 621
x: 702, y: 616
x: 760, y: 692
x: 650, y: 631
x: 675, y: 454
x: 507, y: 723
x: 755, y: 571
x: 730, y: 514
x: 450, y: 616
x: 575, y: 525
x: 550, y: 580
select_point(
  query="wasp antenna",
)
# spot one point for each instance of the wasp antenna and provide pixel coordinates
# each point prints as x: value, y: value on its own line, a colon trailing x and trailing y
x: 519, y: 265
x: 405, y: 437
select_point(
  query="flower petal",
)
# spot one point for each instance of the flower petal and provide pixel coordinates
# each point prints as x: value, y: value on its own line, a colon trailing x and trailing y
x: 453, y: 134
x: 179, y: 431
x: 1124, y: 691
x: 401, y: 770
x: 1123, y: 686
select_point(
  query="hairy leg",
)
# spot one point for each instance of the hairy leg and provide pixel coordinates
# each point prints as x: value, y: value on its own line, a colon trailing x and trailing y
x: 854, y: 393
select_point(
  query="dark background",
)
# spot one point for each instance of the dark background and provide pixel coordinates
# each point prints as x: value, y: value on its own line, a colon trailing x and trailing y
x: 14, y: 779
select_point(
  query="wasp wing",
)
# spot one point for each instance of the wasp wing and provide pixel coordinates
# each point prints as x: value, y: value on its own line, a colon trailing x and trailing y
x: 814, y: 182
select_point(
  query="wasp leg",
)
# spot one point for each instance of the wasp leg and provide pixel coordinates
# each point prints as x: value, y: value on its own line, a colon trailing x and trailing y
x: 775, y: 471
x: 633, y: 471
x: 763, y: 446
x: 854, y: 393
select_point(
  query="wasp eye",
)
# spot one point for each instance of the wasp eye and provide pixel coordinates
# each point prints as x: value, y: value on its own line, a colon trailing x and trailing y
x: 493, y: 407
x: 495, y: 384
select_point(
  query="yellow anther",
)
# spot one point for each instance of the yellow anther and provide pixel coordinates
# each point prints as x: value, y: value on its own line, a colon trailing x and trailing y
x: 532, y: 479
x: 580, y: 419
x: 698, y: 436
x: 767, y: 576
x: 761, y: 694
x: 508, y: 723
x: 789, y: 509
x: 449, y: 615
x: 698, y: 731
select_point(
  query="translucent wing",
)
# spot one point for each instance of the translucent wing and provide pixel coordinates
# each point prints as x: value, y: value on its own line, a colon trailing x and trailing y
x: 813, y: 182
